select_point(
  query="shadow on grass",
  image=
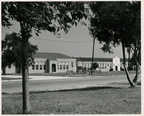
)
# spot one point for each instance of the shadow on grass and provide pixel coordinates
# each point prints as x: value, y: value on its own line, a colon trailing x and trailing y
x: 80, y: 89
x: 74, y: 89
x: 92, y: 88
x: 10, y: 78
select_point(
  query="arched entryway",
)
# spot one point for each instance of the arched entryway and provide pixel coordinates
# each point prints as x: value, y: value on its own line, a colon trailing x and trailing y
x: 116, y: 68
x: 53, y: 67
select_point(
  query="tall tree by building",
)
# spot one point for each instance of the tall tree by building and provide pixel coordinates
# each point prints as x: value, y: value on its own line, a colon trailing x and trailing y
x: 37, y: 16
x: 115, y: 23
x: 11, y: 51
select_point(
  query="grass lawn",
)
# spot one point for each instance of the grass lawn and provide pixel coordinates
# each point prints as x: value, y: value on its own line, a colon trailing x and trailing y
x: 94, y: 100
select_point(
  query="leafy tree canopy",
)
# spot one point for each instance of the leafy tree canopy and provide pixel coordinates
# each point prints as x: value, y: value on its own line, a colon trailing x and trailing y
x: 11, y: 50
x: 51, y: 16
x: 95, y: 65
x: 114, y: 22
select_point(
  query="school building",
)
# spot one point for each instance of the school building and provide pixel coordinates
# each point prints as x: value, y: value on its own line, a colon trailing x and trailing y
x: 57, y: 62
x: 105, y: 64
x: 49, y: 63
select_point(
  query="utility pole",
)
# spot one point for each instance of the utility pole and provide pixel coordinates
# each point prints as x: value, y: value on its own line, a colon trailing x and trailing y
x: 92, y: 56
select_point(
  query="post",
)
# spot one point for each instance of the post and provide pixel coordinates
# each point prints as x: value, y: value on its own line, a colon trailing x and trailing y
x: 92, y: 56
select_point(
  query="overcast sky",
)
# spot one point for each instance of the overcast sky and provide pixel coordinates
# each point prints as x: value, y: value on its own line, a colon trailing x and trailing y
x: 76, y: 43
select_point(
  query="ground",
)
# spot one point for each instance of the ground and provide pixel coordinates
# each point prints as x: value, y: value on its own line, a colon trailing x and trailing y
x: 111, y: 98
x: 93, y: 100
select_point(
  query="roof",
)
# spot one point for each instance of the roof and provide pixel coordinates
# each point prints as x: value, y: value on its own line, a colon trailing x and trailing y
x: 95, y: 59
x: 98, y: 59
x: 51, y: 56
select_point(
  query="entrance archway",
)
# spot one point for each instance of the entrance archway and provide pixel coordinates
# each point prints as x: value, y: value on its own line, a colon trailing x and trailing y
x: 53, y: 67
x: 116, y: 68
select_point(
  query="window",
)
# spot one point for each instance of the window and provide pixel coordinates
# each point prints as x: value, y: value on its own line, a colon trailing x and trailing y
x: 40, y: 67
x: 67, y: 66
x: 71, y: 64
x: 33, y: 67
x: 44, y: 66
x: 37, y: 67
x: 63, y: 66
x: 60, y: 66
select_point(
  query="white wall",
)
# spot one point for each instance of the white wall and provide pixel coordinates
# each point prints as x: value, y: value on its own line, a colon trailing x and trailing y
x: 116, y: 63
x: 64, y: 63
x: 10, y: 69
x: 39, y: 62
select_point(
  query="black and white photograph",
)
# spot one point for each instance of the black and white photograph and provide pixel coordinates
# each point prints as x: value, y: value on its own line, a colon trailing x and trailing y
x: 71, y: 57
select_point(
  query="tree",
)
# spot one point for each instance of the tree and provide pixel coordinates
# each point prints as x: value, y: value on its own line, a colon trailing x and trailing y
x: 115, y: 23
x: 38, y: 16
x: 129, y: 52
x: 11, y: 51
x: 95, y: 65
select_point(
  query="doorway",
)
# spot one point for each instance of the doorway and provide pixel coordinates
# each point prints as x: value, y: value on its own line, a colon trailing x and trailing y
x: 116, y: 68
x: 53, y: 67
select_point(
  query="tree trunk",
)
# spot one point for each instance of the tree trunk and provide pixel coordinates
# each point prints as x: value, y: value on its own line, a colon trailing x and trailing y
x: 25, y: 81
x: 4, y: 71
x: 137, y: 68
x: 25, y: 76
x: 128, y: 58
x: 124, y: 63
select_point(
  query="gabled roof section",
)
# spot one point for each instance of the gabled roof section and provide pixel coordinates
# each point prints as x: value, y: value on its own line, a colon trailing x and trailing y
x: 51, y: 56
x: 95, y: 59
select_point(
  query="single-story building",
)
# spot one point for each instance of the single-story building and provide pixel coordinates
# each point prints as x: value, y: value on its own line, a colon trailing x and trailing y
x: 105, y: 64
x: 48, y: 63
x: 57, y: 62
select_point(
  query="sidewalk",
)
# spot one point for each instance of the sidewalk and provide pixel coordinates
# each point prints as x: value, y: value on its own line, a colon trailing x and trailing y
x: 9, y: 78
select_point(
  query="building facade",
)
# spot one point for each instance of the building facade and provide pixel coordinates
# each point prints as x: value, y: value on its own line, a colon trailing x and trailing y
x: 57, y: 62
x: 105, y: 64
x: 49, y: 63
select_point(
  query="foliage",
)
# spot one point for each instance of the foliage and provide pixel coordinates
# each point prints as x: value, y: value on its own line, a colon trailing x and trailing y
x: 11, y: 50
x: 115, y: 23
x: 39, y: 16
x: 51, y: 16
x: 111, y: 69
x: 95, y: 65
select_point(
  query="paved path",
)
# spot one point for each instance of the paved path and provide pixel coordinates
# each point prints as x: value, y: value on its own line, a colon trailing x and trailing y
x: 44, y: 83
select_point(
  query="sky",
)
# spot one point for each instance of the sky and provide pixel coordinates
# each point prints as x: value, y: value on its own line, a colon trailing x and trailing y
x: 76, y: 43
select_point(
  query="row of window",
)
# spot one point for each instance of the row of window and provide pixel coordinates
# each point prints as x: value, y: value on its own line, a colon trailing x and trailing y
x: 101, y: 65
x: 60, y: 66
x: 37, y: 67
x: 64, y: 66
